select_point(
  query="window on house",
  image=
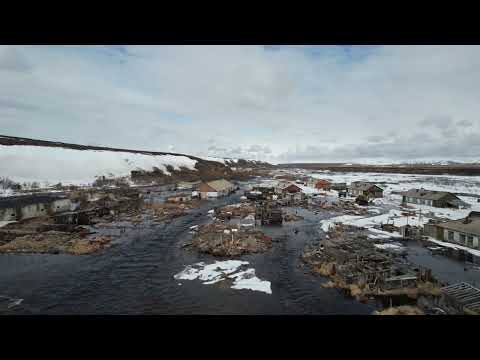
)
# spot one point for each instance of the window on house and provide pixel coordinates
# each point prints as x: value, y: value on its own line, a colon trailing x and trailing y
x: 450, y: 235
x: 462, y: 239
x: 469, y: 240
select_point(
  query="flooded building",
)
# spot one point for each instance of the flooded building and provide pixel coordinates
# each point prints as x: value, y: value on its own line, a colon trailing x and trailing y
x: 369, y: 190
x: 17, y: 208
x: 323, y: 185
x: 293, y: 193
x: 215, y: 188
x: 441, y: 199
x: 465, y: 232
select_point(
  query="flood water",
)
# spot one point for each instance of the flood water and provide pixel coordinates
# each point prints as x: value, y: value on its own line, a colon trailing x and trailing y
x: 135, y: 275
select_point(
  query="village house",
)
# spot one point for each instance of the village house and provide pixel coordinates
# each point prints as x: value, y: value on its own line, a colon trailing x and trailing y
x: 215, y: 188
x: 338, y: 186
x: 280, y: 186
x: 17, y: 208
x: 465, y: 232
x: 323, y: 185
x: 440, y: 199
x: 366, y: 189
x: 293, y: 193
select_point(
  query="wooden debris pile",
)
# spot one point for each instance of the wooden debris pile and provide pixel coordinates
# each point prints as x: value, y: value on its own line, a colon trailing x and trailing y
x: 352, y: 263
x: 223, y: 240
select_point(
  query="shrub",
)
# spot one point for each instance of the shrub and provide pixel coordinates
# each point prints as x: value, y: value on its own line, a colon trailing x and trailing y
x: 6, y: 183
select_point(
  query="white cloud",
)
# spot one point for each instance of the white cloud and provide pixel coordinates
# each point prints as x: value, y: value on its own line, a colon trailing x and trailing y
x: 287, y: 104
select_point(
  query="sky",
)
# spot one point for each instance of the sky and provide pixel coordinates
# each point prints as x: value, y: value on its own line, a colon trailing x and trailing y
x: 273, y: 103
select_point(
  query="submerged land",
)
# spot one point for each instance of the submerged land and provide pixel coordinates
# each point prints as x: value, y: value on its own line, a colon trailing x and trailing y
x: 284, y: 239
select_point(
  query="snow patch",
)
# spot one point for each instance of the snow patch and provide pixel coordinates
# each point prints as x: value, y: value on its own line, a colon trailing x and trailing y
x: 222, y: 270
x: 389, y: 246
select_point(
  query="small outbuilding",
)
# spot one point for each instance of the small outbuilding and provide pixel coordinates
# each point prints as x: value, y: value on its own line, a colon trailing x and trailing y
x: 323, y: 185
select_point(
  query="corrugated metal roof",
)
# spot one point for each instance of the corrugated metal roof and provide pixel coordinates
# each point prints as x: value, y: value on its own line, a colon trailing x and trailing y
x: 427, y: 194
x: 469, y: 225
x: 364, y: 186
x: 220, y: 185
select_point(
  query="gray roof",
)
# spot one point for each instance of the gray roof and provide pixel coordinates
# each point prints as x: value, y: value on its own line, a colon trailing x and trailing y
x: 220, y: 185
x: 428, y: 194
x: 470, y: 226
x: 364, y: 186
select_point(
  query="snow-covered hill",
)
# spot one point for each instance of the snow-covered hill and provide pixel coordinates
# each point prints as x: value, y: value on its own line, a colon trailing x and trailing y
x: 57, y: 164
x: 29, y: 160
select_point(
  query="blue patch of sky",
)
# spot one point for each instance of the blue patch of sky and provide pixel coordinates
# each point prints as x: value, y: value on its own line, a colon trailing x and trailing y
x: 173, y: 116
x: 342, y: 53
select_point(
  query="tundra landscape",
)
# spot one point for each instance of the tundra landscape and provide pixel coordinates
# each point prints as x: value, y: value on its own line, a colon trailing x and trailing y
x: 238, y: 183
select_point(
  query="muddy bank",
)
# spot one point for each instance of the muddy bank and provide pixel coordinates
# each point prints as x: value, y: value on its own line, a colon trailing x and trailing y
x: 400, y: 310
x: 56, y: 242
x: 292, y: 217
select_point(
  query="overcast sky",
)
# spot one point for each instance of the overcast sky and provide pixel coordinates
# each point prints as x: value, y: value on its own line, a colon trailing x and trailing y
x: 273, y: 103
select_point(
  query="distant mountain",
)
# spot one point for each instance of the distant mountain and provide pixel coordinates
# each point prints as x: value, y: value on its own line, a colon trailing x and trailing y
x: 430, y: 168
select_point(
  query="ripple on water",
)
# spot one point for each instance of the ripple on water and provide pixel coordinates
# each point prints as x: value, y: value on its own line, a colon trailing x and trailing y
x: 7, y: 302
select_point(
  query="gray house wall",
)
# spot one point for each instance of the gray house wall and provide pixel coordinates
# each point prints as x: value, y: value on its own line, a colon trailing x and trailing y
x: 455, y: 237
x: 35, y: 210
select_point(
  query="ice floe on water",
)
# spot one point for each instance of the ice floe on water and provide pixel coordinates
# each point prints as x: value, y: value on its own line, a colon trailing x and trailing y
x: 236, y: 270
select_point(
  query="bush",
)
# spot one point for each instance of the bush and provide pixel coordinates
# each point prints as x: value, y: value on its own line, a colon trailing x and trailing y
x: 118, y: 182
x: 6, y: 183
